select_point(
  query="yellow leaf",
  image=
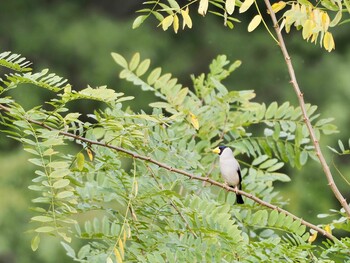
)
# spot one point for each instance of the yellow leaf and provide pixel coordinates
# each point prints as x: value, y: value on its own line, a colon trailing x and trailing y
x: 314, y: 37
x: 176, y: 23
x: 254, y: 23
x: 166, y: 22
x: 80, y: 161
x: 278, y: 6
x: 308, y: 27
x: 313, y: 237
x: 124, y: 236
x: 328, y: 229
x: 325, y: 21
x: 245, y: 5
x: 121, y: 247
x: 203, y: 7
x: 187, y: 19
x: 117, y: 255
x: 194, y: 121
x: 90, y: 154
x: 328, y: 42
x: 230, y: 6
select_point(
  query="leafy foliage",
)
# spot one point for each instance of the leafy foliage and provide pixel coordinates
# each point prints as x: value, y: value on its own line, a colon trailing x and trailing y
x: 313, y: 20
x: 128, y: 209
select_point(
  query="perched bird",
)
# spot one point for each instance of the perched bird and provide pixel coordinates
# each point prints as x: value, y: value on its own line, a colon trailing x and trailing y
x: 230, y: 170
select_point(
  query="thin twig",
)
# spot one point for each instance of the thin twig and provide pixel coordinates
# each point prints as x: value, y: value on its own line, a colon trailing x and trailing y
x: 178, y: 171
x: 172, y: 203
x: 300, y: 96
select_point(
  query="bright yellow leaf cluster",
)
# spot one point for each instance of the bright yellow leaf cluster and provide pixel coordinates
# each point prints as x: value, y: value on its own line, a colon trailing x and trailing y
x: 173, y: 19
x: 313, y: 22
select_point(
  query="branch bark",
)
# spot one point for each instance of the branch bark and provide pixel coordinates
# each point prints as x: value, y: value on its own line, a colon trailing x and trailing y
x: 300, y: 96
x: 179, y: 171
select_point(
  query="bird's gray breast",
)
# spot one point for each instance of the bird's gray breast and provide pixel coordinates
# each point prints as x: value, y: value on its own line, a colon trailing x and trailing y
x: 229, y: 172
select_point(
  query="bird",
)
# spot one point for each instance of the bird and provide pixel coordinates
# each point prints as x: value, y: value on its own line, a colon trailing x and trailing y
x: 230, y: 170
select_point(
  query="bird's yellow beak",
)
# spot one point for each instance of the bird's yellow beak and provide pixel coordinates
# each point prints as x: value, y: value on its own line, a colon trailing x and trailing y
x: 216, y: 150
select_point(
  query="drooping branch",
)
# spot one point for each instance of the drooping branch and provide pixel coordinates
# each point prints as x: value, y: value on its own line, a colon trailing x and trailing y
x: 179, y: 171
x: 307, y: 121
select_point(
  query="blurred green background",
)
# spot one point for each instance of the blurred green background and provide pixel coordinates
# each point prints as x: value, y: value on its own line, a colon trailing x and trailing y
x: 74, y: 39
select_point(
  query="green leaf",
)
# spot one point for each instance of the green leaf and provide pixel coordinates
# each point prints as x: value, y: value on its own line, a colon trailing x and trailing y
x: 298, y: 135
x: 64, y: 194
x: 61, y: 183
x: 301, y: 230
x: 84, y: 251
x: 282, y: 110
x: 329, y: 129
x: 119, y: 60
x: 30, y: 150
x: 138, y: 21
x: 154, y: 75
x: 143, y: 67
x: 275, y: 167
x: 34, y: 244
x: 60, y: 173
x: 45, y: 229
x: 38, y: 162
x: 273, y: 218
x: 80, y: 161
x: 70, y: 251
x: 336, y: 19
x: 281, y: 177
x: 280, y: 220
x: 276, y: 132
x: 135, y: 60
x: 174, y: 5
x: 347, y: 5
x: 260, y: 218
x: 271, y: 110
x: 160, y: 105
x: 42, y: 219
x: 180, y: 96
x: 341, y: 145
x: 58, y: 165
x: 303, y: 157
x: 235, y: 65
x: 268, y: 163
x: 295, y: 226
x: 260, y: 159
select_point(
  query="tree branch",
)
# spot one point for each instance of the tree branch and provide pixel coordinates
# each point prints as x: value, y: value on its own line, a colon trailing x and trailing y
x: 178, y: 171
x: 300, y: 96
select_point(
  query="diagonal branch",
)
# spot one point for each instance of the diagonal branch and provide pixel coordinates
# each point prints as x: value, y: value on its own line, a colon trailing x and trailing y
x: 179, y: 171
x: 300, y: 95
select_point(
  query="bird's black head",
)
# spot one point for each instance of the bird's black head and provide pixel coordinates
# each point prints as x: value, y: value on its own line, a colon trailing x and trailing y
x: 219, y: 149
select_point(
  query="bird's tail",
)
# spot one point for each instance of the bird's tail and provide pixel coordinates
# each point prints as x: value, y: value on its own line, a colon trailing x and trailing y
x: 239, y: 199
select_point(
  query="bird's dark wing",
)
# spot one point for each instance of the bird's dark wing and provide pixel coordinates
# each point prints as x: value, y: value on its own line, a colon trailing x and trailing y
x: 240, y: 178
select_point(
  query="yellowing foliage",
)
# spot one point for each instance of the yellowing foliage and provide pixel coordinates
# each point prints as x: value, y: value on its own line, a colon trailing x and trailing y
x: 314, y: 23
x: 278, y: 6
x: 203, y: 7
x: 254, y: 23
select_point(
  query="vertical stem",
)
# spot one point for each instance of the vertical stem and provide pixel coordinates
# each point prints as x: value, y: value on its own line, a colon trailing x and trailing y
x: 295, y: 84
